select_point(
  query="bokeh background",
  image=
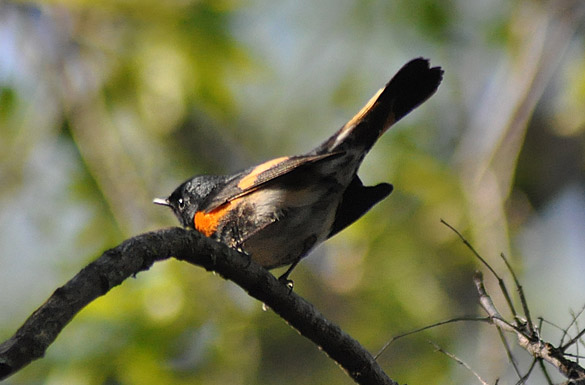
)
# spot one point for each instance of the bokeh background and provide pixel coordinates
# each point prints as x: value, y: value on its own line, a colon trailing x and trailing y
x: 107, y: 104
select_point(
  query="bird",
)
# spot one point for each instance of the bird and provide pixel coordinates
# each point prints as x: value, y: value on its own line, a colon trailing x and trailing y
x: 278, y: 211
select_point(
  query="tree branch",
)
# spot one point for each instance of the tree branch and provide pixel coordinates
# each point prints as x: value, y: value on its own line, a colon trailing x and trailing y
x: 139, y: 253
x: 538, y: 348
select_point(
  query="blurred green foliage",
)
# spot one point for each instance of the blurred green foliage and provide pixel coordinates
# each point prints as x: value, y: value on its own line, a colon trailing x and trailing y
x: 105, y: 105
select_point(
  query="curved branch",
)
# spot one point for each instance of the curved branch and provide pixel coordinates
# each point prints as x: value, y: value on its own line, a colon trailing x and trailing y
x: 139, y: 253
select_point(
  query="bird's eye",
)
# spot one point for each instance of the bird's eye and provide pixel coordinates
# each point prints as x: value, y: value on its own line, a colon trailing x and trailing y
x: 181, y: 203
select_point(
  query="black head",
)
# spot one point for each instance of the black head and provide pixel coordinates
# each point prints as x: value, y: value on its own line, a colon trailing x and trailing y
x: 189, y: 197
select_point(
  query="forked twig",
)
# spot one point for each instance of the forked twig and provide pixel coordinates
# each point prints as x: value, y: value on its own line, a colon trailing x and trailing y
x: 526, y: 332
x: 536, y: 347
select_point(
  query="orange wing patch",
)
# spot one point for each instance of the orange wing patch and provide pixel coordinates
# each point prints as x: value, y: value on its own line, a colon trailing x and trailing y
x: 365, y: 109
x: 206, y: 223
x: 249, y: 180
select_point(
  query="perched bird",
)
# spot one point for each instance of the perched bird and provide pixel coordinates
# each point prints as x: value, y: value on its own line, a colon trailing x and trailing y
x: 279, y: 210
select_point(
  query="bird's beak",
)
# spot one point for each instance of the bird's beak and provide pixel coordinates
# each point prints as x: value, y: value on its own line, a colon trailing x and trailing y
x: 161, y: 201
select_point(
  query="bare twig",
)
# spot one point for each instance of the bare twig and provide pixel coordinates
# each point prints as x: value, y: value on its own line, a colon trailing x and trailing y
x: 535, y: 346
x: 528, y: 373
x: 526, y: 332
x: 554, y: 325
x: 440, y: 323
x: 522, y: 296
x: 459, y: 361
x: 138, y: 254
x: 578, y: 356
x: 575, y: 322
x: 578, y: 336
x: 501, y: 283
x: 510, y: 355
x: 544, y: 370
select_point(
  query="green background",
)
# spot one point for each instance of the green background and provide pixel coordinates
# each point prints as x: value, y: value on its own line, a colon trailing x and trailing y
x: 105, y: 105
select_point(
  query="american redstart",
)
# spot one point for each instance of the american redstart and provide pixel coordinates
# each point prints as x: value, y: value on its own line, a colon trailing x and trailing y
x: 279, y: 210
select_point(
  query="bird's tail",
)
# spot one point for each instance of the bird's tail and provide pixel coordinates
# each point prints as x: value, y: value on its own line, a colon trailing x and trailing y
x: 414, y: 83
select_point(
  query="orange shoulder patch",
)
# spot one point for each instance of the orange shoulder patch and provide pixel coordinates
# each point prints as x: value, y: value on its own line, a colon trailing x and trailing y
x: 206, y: 223
x: 249, y: 180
